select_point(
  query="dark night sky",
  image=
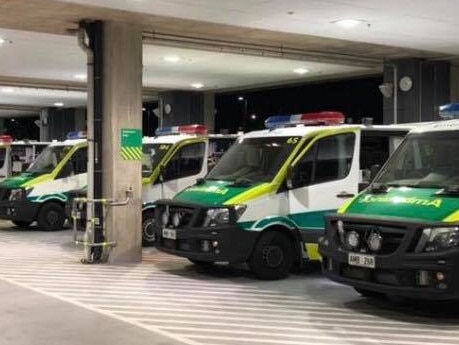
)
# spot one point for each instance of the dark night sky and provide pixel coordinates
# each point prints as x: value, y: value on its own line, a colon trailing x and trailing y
x: 356, y: 98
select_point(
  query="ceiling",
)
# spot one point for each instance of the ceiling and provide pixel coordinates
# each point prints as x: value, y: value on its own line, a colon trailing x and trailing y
x: 42, y: 53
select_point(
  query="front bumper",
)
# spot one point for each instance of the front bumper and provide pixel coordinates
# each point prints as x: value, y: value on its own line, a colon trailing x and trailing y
x: 19, y: 210
x: 432, y: 276
x: 228, y: 243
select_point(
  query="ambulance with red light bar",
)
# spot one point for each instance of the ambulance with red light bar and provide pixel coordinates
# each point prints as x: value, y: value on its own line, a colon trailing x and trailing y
x: 16, y: 156
x: 401, y: 235
x: 172, y: 161
x: 264, y: 201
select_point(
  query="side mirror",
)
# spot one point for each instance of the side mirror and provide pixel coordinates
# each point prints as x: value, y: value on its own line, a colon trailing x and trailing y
x: 200, y: 181
x: 289, y: 177
x: 374, y: 170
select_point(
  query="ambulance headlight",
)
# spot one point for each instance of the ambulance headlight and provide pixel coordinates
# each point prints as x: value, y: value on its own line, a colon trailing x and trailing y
x: 438, y: 239
x: 221, y: 216
x: 17, y: 194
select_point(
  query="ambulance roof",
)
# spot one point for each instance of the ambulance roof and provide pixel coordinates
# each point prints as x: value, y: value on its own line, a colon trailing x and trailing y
x: 169, y: 139
x: 438, y: 126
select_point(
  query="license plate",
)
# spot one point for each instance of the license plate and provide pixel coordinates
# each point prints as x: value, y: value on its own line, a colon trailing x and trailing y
x: 169, y: 233
x: 361, y: 260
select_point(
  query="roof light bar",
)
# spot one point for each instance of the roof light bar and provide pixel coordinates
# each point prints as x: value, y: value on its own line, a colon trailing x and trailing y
x: 318, y: 118
x: 189, y: 129
x: 6, y: 139
x: 449, y: 111
x: 76, y: 135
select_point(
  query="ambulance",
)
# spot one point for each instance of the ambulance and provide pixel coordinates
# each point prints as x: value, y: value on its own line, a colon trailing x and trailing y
x: 16, y: 156
x: 39, y: 193
x: 264, y: 202
x: 174, y: 160
x: 400, y: 236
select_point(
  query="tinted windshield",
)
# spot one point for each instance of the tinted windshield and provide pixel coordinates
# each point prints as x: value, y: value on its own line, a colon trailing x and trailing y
x: 424, y: 160
x: 152, y: 156
x: 48, y: 159
x: 257, y: 159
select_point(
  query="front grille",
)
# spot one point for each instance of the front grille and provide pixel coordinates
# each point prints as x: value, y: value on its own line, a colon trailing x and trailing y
x: 391, y: 237
x: 168, y: 216
x: 5, y: 193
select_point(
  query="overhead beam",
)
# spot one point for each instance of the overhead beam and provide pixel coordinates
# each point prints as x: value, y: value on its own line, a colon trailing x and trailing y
x: 18, y: 107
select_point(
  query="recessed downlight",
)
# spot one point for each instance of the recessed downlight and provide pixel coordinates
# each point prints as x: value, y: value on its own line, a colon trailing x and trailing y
x: 80, y: 76
x: 58, y: 104
x: 348, y: 23
x: 300, y: 70
x: 197, y: 85
x: 171, y: 58
x: 2, y: 41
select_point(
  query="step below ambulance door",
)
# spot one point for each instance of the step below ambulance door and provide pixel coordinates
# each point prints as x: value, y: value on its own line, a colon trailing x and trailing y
x: 323, y: 177
x: 187, y: 164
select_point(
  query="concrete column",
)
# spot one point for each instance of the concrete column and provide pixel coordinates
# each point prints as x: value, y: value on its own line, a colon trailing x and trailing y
x: 430, y: 89
x: 209, y: 111
x: 454, y: 82
x: 44, y: 129
x: 122, y: 104
x: 80, y: 119
x: 182, y: 107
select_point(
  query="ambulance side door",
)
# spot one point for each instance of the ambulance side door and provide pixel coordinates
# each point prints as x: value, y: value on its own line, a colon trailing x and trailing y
x: 323, y: 177
x: 188, y: 163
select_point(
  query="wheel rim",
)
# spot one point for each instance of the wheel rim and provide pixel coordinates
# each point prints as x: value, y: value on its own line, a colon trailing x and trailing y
x: 273, y: 256
x: 149, y: 233
x: 52, y: 217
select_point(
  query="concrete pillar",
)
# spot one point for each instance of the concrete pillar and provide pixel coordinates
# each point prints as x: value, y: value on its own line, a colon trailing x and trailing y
x: 80, y: 119
x: 454, y: 82
x: 209, y: 111
x: 430, y: 89
x: 43, y: 124
x: 122, y: 104
x: 182, y: 107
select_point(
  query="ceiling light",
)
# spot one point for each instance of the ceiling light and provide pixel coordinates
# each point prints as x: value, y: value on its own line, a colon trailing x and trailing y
x: 240, y: 98
x: 80, y: 76
x: 2, y: 41
x: 7, y: 89
x: 58, y: 104
x: 348, y: 23
x: 197, y: 85
x: 300, y: 70
x: 172, y: 58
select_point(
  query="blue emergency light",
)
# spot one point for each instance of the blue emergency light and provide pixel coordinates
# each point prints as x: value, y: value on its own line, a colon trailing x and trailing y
x: 449, y: 111
x: 76, y: 135
x: 189, y: 129
x: 317, y: 118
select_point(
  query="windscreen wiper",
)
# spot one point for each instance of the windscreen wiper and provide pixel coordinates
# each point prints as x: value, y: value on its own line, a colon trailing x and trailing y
x: 378, y: 188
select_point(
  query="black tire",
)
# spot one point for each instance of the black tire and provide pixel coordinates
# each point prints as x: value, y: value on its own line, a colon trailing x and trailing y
x: 148, y: 229
x: 272, y: 257
x: 51, y: 217
x: 370, y: 294
x: 201, y: 263
x: 21, y: 223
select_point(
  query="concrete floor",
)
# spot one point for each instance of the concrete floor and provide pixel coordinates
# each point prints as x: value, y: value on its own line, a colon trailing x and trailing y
x: 47, y: 297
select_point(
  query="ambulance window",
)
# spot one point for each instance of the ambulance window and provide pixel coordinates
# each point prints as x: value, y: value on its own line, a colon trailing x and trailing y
x: 328, y: 159
x: 77, y: 164
x: 187, y: 161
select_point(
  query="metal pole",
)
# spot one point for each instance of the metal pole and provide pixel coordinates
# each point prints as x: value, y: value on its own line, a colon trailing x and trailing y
x: 395, y: 82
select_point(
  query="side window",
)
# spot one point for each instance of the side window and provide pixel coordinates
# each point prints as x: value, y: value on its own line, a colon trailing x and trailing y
x: 187, y: 161
x: 77, y: 164
x: 329, y: 159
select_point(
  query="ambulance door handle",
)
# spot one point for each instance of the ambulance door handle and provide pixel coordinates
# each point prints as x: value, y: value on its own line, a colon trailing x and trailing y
x: 344, y: 195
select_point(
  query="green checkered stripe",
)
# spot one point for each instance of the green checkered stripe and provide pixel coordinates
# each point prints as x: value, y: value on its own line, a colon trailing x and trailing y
x: 131, y: 153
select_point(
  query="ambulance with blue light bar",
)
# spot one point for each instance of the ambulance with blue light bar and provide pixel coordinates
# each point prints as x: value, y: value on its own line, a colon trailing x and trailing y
x: 172, y: 161
x: 16, y: 156
x: 401, y: 235
x: 264, y: 201
x: 39, y: 194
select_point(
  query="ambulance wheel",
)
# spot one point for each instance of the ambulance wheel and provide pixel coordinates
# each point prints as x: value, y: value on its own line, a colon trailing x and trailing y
x: 51, y: 217
x: 272, y: 257
x: 148, y: 229
x: 21, y: 223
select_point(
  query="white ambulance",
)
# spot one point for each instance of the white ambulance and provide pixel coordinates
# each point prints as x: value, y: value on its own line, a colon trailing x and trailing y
x: 264, y: 202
